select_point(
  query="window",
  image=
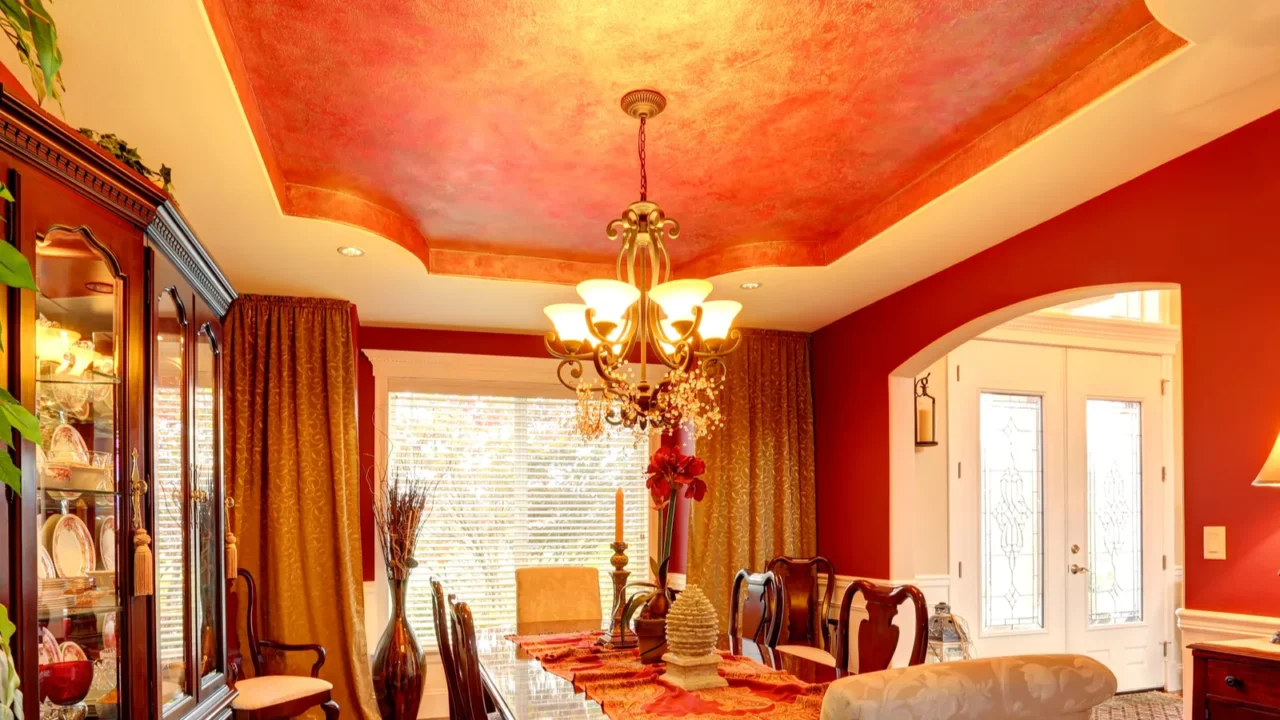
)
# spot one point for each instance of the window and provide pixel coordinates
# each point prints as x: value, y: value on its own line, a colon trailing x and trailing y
x: 516, y: 488
x: 1149, y: 306
x: 1012, y: 448
x: 1113, y: 433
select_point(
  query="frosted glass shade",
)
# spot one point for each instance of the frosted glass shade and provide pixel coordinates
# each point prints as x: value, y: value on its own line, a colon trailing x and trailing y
x: 677, y: 297
x: 1270, y: 473
x: 609, y: 298
x: 717, y: 318
x: 570, y: 321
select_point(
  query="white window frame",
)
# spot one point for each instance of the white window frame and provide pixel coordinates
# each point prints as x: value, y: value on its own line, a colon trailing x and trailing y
x: 456, y: 374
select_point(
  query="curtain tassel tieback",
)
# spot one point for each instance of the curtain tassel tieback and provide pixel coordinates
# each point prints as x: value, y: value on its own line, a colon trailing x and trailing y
x: 233, y: 557
x: 143, y: 563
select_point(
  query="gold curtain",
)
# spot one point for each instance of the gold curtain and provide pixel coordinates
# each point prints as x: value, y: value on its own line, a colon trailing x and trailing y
x: 760, y: 467
x: 294, y: 474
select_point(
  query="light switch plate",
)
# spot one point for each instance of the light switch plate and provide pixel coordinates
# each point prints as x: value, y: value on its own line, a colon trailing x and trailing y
x: 1215, y: 542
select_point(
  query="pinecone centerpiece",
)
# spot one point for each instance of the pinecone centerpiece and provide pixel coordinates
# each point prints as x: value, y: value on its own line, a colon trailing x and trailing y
x: 692, y: 628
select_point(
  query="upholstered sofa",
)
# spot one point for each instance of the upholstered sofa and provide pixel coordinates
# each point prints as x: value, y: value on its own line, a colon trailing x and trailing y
x: 1044, y: 687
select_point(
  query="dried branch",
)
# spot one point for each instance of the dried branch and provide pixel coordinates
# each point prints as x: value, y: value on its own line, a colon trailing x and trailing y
x: 401, y: 504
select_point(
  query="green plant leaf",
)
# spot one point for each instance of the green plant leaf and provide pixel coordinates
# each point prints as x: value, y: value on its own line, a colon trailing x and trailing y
x: 16, y: 14
x: 10, y: 473
x: 4, y: 190
x: 6, y: 431
x: 7, y: 628
x: 15, y: 271
x: 45, y: 35
x: 22, y: 420
x: 662, y: 571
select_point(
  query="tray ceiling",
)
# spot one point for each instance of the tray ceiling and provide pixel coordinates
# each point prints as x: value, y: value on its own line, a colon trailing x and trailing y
x: 486, y: 138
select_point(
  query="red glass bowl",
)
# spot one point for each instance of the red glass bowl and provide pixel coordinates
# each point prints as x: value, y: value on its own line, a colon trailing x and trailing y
x: 65, y: 683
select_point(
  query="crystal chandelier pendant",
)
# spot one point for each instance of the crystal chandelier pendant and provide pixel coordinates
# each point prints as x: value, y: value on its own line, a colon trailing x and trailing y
x: 643, y: 313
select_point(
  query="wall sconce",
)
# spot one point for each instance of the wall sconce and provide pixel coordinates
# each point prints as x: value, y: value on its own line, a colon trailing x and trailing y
x: 926, y: 414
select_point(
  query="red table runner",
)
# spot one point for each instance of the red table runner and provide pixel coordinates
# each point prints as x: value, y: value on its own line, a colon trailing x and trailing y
x: 630, y: 690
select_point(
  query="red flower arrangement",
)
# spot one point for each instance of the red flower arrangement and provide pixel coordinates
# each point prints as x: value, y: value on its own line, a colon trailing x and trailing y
x: 668, y: 470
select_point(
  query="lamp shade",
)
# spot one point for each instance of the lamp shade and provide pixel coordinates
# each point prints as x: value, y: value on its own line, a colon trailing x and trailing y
x: 717, y: 318
x: 677, y: 297
x: 1270, y: 473
x: 609, y: 298
x: 570, y: 321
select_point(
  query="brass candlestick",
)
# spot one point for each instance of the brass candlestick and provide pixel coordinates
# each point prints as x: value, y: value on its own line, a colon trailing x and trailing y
x: 618, y: 635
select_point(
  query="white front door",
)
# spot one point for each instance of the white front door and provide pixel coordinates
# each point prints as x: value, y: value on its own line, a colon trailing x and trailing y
x: 1054, y: 453
x: 1115, y: 584
x: 1006, y: 424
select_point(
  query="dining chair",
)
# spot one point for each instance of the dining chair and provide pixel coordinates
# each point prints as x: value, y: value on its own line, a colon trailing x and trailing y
x: 467, y: 666
x: 440, y: 618
x: 877, y: 635
x: 805, y: 617
x: 556, y: 593
x: 756, y: 613
x: 269, y: 697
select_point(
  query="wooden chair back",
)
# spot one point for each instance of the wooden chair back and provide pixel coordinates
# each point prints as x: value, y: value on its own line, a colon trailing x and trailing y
x: 755, y: 607
x: 467, y: 664
x: 877, y: 635
x: 557, y: 593
x: 440, y: 616
x: 804, y: 620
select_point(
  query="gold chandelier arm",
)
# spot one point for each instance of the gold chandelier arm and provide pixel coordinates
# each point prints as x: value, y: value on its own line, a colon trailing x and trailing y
x: 728, y: 345
x: 557, y: 348
x: 575, y: 374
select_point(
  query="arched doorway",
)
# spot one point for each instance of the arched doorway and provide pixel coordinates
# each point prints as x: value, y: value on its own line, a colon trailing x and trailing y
x: 1046, y: 512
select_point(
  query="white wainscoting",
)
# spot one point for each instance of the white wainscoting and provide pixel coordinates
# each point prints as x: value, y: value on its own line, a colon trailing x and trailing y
x: 1199, y: 626
x: 936, y: 589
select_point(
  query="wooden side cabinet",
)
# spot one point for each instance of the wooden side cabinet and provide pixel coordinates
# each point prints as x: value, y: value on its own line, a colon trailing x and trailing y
x: 1236, y: 680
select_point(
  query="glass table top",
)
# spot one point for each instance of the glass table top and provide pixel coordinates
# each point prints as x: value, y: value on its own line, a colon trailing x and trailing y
x: 523, y: 690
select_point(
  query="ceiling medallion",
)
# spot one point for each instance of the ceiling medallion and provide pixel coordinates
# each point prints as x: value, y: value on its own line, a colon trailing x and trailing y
x: 641, y: 312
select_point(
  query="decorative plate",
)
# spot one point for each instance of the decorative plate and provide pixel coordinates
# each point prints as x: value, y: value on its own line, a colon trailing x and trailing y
x: 71, y: 651
x: 109, y: 638
x: 67, y: 446
x: 72, y: 548
x: 46, y: 530
x: 107, y: 542
x: 44, y: 568
x: 48, y: 647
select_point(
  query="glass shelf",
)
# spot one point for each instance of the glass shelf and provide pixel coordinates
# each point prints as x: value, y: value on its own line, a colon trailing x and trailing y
x: 74, y: 612
x: 91, y: 378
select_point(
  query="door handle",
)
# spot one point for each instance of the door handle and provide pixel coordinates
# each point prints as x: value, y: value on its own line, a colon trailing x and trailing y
x: 1077, y: 569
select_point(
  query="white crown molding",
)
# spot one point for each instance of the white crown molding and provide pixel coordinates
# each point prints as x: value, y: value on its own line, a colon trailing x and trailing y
x: 461, y: 374
x: 1090, y: 333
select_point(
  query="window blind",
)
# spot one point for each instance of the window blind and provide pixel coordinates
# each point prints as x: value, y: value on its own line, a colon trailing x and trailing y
x: 515, y: 487
x: 170, y: 569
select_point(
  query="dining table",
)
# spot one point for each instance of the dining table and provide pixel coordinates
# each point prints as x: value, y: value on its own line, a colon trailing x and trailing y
x: 522, y: 689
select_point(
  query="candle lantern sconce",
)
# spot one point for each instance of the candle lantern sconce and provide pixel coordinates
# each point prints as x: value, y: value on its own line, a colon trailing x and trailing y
x: 926, y: 414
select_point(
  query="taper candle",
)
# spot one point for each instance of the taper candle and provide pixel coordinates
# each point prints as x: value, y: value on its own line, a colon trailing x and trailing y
x: 617, y: 520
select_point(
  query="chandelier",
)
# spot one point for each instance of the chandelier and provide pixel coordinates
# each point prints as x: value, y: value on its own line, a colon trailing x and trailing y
x: 642, y: 312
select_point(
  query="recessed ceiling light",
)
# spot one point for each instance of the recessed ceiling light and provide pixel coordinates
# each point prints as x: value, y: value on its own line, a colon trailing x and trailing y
x: 350, y: 251
x: 750, y: 285
x: 100, y: 287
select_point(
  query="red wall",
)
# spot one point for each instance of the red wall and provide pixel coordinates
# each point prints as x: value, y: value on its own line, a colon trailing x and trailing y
x: 1210, y: 221
x: 386, y: 338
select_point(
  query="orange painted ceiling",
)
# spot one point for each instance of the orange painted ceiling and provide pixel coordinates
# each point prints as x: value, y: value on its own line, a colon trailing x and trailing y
x: 487, y: 137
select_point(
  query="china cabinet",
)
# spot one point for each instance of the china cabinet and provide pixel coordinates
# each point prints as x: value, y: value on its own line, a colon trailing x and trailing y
x: 113, y: 549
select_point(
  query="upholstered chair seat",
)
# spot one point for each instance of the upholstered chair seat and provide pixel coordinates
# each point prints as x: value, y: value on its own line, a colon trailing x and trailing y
x: 557, y: 593
x: 809, y: 652
x: 267, y: 691
x: 1026, y: 687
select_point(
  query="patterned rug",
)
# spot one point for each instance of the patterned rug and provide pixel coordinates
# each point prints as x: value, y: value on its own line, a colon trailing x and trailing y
x: 1141, y: 706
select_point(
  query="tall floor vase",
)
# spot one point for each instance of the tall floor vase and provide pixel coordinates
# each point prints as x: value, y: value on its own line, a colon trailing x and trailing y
x: 398, y: 666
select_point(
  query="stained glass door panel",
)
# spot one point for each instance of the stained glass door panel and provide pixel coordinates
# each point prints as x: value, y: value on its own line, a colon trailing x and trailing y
x: 1113, y: 440
x: 1012, y: 487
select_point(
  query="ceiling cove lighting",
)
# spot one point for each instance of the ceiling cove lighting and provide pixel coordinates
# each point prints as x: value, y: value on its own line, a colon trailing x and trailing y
x: 643, y: 310
x: 349, y: 251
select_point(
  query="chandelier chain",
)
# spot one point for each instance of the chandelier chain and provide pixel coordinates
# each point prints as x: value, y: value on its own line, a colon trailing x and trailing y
x: 644, y: 176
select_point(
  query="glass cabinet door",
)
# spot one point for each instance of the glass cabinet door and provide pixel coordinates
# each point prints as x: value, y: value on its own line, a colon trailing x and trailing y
x: 80, y: 476
x: 205, y: 506
x: 170, y: 494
